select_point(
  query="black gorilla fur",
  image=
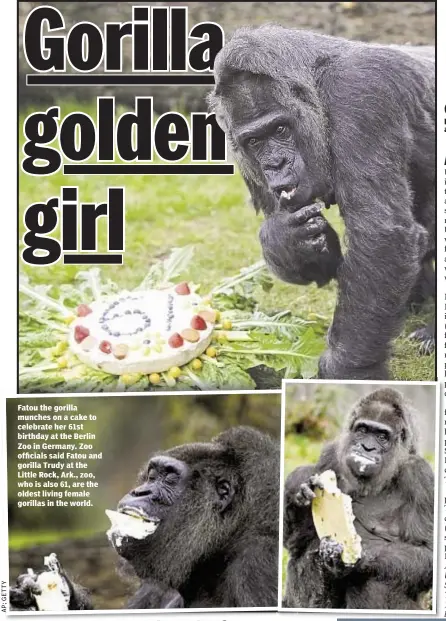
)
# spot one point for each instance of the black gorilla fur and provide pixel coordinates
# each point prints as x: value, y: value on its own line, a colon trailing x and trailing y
x: 349, y: 123
x: 217, y: 542
x: 393, y: 503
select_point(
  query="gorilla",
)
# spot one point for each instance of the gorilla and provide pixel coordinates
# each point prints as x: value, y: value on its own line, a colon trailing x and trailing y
x: 314, y: 120
x: 216, y: 506
x: 392, y: 489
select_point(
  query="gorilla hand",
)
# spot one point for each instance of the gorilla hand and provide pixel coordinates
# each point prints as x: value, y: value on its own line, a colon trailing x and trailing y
x: 301, y: 247
x: 22, y: 595
x: 330, y: 554
x: 306, y: 493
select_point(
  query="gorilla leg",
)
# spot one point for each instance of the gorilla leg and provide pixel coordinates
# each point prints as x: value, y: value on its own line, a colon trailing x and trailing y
x: 377, y: 276
x: 423, y: 184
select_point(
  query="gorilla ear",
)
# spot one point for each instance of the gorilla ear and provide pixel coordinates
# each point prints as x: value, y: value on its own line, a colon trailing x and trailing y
x: 225, y: 492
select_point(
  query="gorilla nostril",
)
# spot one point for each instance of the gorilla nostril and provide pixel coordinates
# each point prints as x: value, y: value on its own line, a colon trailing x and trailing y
x: 142, y: 490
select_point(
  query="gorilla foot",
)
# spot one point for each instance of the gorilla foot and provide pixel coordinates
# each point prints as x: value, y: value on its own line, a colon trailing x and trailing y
x: 426, y: 338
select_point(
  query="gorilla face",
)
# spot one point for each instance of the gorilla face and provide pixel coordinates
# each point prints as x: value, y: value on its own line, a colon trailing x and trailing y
x: 269, y: 141
x: 369, y: 443
x: 178, y: 491
x: 266, y: 135
x: 163, y: 484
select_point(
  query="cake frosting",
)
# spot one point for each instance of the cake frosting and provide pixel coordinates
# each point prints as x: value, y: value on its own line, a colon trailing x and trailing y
x: 142, y: 331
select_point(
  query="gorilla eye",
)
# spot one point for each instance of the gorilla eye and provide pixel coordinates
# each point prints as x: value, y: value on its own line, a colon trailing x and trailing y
x: 252, y: 142
x: 171, y: 478
x: 361, y: 429
x: 383, y: 436
x: 281, y: 129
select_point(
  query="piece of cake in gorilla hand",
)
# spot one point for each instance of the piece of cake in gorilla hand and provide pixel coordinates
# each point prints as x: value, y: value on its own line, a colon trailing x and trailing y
x: 208, y: 528
x: 377, y: 464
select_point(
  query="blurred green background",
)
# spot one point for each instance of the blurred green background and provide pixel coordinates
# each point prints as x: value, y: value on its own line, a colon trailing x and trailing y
x: 128, y: 429
x: 315, y: 414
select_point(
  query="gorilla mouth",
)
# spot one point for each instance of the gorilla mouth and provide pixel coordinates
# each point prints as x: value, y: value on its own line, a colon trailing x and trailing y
x: 288, y: 193
x: 292, y: 197
x: 363, y: 464
x: 129, y: 522
x: 139, y: 514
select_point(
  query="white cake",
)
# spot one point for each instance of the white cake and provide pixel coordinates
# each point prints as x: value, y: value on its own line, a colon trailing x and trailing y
x: 126, y: 525
x: 55, y: 592
x: 142, y: 331
x: 333, y: 517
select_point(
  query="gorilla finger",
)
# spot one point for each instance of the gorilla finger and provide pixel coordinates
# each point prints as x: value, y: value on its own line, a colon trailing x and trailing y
x: 28, y: 582
x: 307, y: 492
x: 301, y: 501
x: 313, y: 227
x: 304, y: 214
x: 426, y: 338
x: 316, y: 482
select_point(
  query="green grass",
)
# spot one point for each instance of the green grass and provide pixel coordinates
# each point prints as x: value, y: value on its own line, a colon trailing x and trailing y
x: 24, y: 540
x: 211, y: 212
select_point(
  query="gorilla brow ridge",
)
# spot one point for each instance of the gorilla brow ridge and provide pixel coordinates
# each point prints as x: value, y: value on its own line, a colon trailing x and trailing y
x: 401, y: 408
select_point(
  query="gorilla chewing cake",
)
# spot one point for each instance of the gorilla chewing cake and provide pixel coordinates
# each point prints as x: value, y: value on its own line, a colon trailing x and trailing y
x: 131, y: 523
x: 390, y: 489
x: 199, y: 528
x: 142, y: 331
x: 333, y: 517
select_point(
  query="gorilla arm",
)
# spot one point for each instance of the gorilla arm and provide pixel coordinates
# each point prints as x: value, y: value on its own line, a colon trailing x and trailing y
x: 298, y: 520
x: 301, y: 540
x: 371, y: 148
